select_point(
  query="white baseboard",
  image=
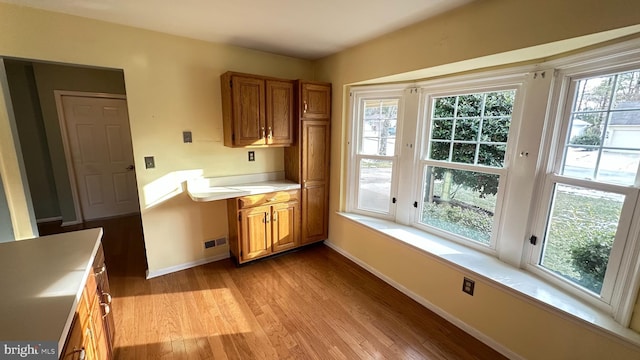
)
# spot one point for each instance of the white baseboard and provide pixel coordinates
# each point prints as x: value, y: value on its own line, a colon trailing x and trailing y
x: 424, y: 302
x: 175, y: 268
x: 49, y: 219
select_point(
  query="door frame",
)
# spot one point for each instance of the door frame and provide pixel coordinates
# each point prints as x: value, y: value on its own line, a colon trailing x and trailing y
x: 71, y: 172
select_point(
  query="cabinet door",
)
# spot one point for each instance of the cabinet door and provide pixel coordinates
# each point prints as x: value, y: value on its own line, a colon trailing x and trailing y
x: 315, y: 151
x: 316, y: 101
x: 248, y: 98
x: 279, y: 112
x: 255, y: 234
x: 314, y: 221
x: 285, y: 224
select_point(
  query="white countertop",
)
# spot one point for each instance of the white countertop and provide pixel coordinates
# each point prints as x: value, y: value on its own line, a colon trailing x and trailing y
x: 212, y: 189
x: 42, y: 280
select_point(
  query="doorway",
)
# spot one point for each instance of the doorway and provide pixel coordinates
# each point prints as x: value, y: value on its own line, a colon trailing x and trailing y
x: 98, y: 150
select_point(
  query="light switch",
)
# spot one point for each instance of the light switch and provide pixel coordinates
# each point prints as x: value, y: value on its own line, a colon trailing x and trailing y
x: 149, y: 162
x: 186, y: 137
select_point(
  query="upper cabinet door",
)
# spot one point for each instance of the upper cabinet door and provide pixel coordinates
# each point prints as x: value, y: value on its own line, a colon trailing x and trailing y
x: 316, y: 101
x: 279, y: 112
x: 248, y: 99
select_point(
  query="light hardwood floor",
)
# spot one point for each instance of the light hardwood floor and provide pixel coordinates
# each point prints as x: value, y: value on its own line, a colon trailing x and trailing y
x: 309, y: 304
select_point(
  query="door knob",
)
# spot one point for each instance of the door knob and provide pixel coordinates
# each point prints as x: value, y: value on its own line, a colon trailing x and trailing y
x: 130, y: 167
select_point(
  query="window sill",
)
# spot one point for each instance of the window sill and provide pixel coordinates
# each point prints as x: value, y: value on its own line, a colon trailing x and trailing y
x: 500, y: 275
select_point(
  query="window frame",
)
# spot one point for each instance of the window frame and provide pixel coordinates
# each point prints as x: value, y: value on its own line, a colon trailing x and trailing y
x: 358, y: 97
x: 513, y: 80
x: 621, y: 281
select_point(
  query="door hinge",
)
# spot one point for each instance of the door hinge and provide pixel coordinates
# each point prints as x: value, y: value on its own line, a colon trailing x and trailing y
x: 533, y: 240
x: 415, y: 204
x: 394, y: 200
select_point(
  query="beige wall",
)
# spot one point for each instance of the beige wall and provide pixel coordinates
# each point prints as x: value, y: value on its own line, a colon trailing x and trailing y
x: 172, y: 85
x: 482, y: 34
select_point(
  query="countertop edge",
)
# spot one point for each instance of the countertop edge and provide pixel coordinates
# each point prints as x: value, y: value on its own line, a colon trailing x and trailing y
x: 74, y: 306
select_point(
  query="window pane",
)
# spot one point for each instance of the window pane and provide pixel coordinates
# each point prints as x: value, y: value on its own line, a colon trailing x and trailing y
x: 379, y: 127
x: 442, y: 129
x: 460, y: 202
x: 594, y: 94
x: 627, y: 91
x: 467, y: 129
x: 604, y: 132
x: 469, y: 105
x: 444, y: 107
x: 374, y: 185
x: 492, y: 155
x: 619, y: 167
x: 495, y: 130
x: 499, y: 103
x: 477, y: 118
x: 580, y: 233
x: 464, y: 153
x: 440, y: 150
x: 623, y: 130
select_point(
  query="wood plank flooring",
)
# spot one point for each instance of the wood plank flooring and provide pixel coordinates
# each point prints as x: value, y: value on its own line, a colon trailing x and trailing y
x: 310, y: 304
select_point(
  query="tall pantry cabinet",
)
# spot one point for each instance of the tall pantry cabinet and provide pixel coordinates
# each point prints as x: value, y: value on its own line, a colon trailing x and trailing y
x: 307, y: 162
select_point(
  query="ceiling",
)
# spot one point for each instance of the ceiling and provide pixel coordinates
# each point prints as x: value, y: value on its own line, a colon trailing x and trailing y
x: 307, y: 29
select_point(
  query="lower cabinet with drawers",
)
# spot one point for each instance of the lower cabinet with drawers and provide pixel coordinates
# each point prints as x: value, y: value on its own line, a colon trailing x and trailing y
x: 91, y: 334
x: 264, y: 224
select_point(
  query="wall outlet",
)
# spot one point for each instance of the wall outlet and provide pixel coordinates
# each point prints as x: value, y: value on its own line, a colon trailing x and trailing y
x: 468, y: 286
x: 149, y: 162
x: 252, y: 156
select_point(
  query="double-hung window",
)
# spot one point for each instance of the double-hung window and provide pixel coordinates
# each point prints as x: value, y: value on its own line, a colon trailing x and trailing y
x: 591, y: 186
x: 374, y: 170
x: 463, y: 163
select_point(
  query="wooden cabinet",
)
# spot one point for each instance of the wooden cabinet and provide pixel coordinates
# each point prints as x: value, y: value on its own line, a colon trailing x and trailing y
x: 91, y: 334
x: 260, y: 225
x: 257, y: 111
x: 315, y: 101
x: 308, y: 161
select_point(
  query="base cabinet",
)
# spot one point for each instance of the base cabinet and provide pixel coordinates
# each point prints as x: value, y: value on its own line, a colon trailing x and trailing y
x: 91, y: 334
x: 261, y: 225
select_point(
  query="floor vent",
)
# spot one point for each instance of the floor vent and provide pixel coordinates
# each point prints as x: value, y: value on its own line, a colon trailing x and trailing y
x: 216, y: 242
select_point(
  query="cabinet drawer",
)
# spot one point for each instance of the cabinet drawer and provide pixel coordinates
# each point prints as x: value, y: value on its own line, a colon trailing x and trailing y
x: 268, y: 198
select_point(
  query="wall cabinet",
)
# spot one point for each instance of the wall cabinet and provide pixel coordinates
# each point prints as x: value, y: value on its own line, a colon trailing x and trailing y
x: 257, y: 111
x: 91, y: 334
x: 261, y: 225
x: 308, y: 161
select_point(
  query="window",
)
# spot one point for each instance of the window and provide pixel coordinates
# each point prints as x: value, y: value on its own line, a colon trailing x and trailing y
x: 591, y: 189
x: 464, y: 162
x: 376, y: 151
x: 536, y: 165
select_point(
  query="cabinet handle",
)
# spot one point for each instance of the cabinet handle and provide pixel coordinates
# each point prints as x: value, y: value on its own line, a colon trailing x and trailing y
x: 305, y: 107
x: 275, y: 216
x: 107, y: 309
x: 100, y: 270
x: 107, y: 296
x: 270, y: 133
x: 264, y: 134
x: 82, y: 353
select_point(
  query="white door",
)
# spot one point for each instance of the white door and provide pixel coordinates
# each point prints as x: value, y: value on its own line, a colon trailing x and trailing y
x: 102, y: 155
